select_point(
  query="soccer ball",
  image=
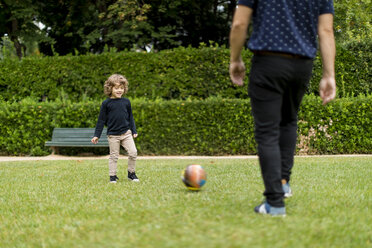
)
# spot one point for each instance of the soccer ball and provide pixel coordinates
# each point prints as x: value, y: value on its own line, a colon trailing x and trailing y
x: 194, y: 177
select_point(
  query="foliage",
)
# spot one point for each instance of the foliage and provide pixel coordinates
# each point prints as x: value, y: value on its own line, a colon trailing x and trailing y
x: 120, y: 24
x: 170, y: 74
x: 353, y: 21
x: 7, y: 49
x: 90, y: 26
x: 189, y: 22
x: 340, y: 128
x: 353, y: 70
x: 214, y: 126
x: 80, y: 27
x: 17, y: 20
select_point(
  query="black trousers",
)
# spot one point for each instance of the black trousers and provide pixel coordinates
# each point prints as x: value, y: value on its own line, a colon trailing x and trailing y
x: 277, y: 85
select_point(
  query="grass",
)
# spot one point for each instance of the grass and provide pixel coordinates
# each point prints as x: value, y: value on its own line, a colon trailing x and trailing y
x: 71, y: 204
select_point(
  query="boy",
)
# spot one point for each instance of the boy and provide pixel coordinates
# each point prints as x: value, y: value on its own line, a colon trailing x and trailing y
x: 116, y: 114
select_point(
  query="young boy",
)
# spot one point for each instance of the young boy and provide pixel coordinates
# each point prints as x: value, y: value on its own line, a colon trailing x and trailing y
x: 116, y: 114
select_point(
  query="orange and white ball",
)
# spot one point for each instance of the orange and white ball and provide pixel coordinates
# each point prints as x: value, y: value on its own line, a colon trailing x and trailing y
x: 194, y: 177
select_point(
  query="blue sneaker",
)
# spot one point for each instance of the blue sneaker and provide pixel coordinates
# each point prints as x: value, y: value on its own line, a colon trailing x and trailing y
x: 266, y: 208
x: 287, y: 190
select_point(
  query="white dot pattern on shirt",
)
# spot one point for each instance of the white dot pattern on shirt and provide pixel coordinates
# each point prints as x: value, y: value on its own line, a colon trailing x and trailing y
x: 287, y: 25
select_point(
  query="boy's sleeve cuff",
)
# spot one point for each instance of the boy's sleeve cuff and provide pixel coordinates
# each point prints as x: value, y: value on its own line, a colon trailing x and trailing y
x: 248, y: 3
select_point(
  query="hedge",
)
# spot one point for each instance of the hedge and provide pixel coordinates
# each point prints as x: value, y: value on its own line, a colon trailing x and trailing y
x: 170, y: 74
x: 214, y: 126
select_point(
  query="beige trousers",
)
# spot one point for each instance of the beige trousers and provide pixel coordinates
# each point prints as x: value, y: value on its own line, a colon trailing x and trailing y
x: 125, y: 140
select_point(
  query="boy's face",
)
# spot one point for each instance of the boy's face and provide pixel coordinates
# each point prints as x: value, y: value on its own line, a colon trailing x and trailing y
x: 117, y: 91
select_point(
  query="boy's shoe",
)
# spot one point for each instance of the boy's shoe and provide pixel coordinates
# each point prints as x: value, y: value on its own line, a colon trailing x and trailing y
x: 287, y: 190
x: 132, y: 176
x: 266, y: 208
x: 113, y: 179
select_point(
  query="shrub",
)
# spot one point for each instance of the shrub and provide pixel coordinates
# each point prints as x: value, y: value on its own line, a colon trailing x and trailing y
x: 170, y: 74
x: 214, y: 126
x: 341, y: 127
x: 353, y: 72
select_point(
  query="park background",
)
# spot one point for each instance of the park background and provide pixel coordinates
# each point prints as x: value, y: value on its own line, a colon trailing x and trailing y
x: 56, y: 55
x: 54, y: 59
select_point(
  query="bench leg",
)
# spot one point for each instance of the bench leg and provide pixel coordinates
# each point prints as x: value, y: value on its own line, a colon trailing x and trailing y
x: 54, y: 150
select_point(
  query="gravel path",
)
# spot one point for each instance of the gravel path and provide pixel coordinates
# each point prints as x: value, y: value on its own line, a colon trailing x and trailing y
x: 60, y: 157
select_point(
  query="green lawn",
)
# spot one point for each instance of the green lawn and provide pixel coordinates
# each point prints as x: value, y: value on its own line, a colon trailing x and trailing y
x: 71, y: 204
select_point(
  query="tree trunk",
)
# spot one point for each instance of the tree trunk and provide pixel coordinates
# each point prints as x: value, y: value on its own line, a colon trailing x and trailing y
x: 17, y: 46
x: 14, y: 38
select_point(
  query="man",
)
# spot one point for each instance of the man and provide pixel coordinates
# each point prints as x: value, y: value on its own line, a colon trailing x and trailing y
x: 284, y: 43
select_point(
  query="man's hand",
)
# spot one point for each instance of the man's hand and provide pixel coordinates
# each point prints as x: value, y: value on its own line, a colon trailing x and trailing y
x: 135, y: 135
x: 327, y: 89
x: 237, y: 73
x: 94, y: 140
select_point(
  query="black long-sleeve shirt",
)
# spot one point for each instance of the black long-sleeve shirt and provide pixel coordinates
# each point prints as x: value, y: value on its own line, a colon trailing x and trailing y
x: 116, y: 114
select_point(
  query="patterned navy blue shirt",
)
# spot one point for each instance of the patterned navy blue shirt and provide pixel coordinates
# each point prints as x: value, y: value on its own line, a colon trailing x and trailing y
x: 288, y: 26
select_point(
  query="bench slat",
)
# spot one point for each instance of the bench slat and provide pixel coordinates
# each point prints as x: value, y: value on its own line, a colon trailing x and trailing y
x: 70, y: 144
x: 76, y: 137
x: 76, y: 140
x: 77, y: 130
x: 76, y: 133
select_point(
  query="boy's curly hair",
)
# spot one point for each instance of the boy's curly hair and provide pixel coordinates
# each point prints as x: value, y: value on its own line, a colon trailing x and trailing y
x: 114, y: 80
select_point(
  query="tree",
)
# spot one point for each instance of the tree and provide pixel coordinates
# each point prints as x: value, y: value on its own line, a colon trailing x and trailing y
x: 82, y: 26
x: 18, y: 19
x: 189, y: 22
x: 122, y: 24
x: 87, y: 25
x: 63, y: 21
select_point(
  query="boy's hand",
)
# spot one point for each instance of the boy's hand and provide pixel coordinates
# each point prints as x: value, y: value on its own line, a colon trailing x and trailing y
x: 135, y: 135
x: 95, y: 140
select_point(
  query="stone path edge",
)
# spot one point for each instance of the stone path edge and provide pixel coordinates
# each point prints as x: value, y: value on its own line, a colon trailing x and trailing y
x: 60, y: 157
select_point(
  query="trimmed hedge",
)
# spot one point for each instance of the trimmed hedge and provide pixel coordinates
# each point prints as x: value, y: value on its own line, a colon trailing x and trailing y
x: 213, y: 126
x: 170, y: 74
x: 341, y: 127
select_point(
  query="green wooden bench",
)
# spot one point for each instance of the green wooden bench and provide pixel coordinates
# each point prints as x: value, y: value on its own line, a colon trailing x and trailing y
x: 75, y: 137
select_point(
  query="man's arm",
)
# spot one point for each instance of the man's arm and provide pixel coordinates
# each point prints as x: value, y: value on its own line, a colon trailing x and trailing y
x: 238, y: 35
x: 327, y: 85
